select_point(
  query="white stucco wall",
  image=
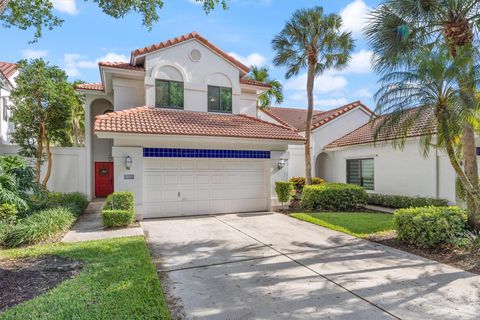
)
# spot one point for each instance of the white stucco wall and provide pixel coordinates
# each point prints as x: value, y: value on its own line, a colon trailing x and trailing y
x: 174, y: 63
x: 6, y: 127
x: 128, y: 93
x: 69, y: 169
x: 401, y: 172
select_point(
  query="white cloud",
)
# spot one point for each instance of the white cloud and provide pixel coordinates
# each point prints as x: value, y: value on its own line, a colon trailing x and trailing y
x: 73, y: 62
x: 34, y: 54
x: 361, y: 62
x: 330, y: 103
x: 324, y: 83
x: 254, y: 59
x: 354, y: 17
x: 65, y: 6
x: 364, y: 93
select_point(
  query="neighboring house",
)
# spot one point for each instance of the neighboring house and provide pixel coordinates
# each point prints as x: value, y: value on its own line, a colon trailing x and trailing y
x: 8, y: 72
x: 344, y: 150
x: 178, y: 126
x: 327, y: 126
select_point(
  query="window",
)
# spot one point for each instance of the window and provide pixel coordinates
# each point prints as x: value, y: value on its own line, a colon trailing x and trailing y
x: 361, y: 172
x: 5, y: 109
x: 169, y: 94
x: 219, y: 99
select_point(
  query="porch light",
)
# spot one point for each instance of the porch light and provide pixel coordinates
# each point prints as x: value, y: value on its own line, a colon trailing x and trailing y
x: 281, y: 164
x: 128, y: 162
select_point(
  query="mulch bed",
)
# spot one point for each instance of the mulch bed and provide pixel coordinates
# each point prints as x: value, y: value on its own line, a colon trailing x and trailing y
x: 466, y: 259
x: 24, y: 279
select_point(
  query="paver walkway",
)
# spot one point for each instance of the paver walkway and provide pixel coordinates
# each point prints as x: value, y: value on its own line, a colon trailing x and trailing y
x: 89, y: 226
x: 271, y: 266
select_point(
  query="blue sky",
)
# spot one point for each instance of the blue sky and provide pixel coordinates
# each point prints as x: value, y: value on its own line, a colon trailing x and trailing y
x: 245, y: 30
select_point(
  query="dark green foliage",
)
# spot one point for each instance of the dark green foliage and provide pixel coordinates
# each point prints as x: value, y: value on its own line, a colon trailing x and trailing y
x: 334, y: 197
x: 40, y: 226
x: 119, y: 209
x: 117, y: 218
x: 19, y: 169
x: 430, y: 226
x: 274, y: 94
x: 283, y: 189
x: 399, y: 202
x: 8, y: 213
x: 76, y: 202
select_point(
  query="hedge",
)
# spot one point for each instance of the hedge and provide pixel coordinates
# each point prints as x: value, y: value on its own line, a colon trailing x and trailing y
x: 40, y: 226
x: 400, y: 202
x: 430, y: 226
x: 334, y: 197
x: 299, y: 182
x: 118, y: 210
x: 283, y: 189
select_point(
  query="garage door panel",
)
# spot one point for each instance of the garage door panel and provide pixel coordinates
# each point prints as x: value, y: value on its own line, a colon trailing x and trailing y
x: 206, y: 186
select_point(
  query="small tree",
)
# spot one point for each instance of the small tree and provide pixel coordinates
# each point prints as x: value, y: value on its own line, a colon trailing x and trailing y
x: 40, y: 112
x: 274, y: 94
x: 283, y: 189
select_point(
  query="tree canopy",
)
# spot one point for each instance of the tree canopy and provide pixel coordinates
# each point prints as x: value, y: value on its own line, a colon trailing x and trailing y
x: 39, y: 14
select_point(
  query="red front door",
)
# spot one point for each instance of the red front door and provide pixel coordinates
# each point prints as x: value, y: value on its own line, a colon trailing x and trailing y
x: 103, y: 179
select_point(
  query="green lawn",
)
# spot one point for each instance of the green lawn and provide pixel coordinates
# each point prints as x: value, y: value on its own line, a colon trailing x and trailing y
x: 359, y: 224
x: 118, y: 281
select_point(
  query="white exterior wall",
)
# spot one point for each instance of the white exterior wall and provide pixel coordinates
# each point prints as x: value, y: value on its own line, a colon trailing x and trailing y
x: 6, y: 127
x: 174, y: 63
x: 69, y: 169
x: 128, y: 93
x: 400, y: 172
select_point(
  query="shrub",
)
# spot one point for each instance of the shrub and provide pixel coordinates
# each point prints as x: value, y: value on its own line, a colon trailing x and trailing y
x: 299, y: 182
x: 118, y: 210
x: 283, y: 189
x: 430, y: 226
x: 8, y: 213
x: 400, y: 202
x: 40, y: 226
x: 117, y: 218
x: 120, y: 200
x: 334, y: 197
x: 76, y: 202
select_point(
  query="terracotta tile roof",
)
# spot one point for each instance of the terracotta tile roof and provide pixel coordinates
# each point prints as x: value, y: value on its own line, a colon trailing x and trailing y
x: 146, y: 120
x: 7, y: 69
x: 120, y: 65
x: 254, y: 83
x: 297, y: 118
x: 90, y: 86
x: 189, y: 36
x: 424, y: 123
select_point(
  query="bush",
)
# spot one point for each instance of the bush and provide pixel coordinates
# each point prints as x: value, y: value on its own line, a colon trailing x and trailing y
x: 8, y: 213
x: 118, y: 210
x: 299, y: 182
x: 400, y: 202
x: 430, y: 226
x: 40, y: 226
x: 120, y: 200
x: 283, y: 189
x: 334, y: 197
x: 117, y: 218
x: 76, y: 202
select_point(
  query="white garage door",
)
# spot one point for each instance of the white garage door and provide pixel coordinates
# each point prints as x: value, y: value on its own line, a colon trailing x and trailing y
x: 180, y: 187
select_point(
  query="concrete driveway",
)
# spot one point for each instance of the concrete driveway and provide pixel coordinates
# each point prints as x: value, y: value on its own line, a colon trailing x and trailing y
x: 270, y: 266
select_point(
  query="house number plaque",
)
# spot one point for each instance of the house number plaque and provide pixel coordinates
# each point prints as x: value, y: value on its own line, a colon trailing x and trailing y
x: 128, y: 176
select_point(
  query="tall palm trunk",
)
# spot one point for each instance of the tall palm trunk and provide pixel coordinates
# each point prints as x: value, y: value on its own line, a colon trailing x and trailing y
x: 471, y: 170
x: 308, y: 129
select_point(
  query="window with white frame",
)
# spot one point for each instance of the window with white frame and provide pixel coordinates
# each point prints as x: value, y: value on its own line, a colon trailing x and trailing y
x: 361, y: 172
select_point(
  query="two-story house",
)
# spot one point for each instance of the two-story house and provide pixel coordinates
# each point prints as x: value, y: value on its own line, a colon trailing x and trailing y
x: 178, y: 126
x: 8, y: 72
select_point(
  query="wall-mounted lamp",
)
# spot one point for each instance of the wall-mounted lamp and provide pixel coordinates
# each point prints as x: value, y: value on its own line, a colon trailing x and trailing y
x: 281, y: 164
x: 128, y: 162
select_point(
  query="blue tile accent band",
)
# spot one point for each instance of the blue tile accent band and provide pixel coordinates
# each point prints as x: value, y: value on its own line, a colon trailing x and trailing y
x: 204, y: 153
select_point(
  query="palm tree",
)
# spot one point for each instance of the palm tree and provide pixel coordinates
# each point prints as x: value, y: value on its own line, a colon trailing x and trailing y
x: 399, y: 28
x: 275, y: 93
x: 313, y: 41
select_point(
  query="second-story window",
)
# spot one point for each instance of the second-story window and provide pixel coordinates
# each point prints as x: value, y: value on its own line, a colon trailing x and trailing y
x: 5, y: 109
x: 168, y: 94
x: 219, y: 99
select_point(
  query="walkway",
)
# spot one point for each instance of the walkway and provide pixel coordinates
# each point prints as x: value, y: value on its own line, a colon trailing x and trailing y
x: 89, y: 226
